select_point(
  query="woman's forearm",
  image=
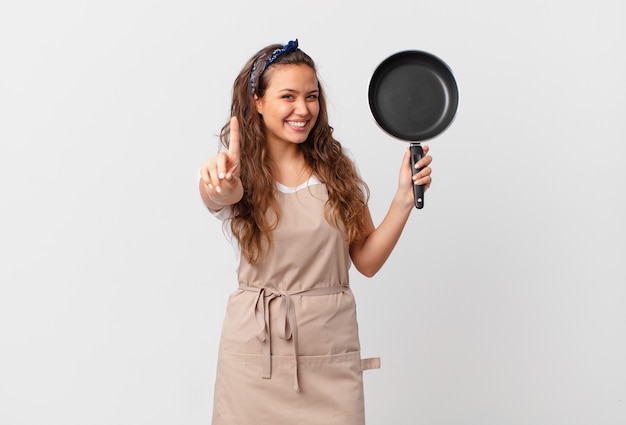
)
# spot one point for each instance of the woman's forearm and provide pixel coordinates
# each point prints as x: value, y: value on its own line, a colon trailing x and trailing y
x: 370, y: 253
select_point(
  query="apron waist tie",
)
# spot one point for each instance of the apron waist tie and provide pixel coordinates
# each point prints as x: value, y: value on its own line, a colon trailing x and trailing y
x: 287, y: 317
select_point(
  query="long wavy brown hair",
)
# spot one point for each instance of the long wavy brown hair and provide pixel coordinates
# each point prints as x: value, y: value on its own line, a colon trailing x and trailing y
x: 348, y: 193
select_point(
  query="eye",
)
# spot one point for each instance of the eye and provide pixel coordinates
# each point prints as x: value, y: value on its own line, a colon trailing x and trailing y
x: 287, y: 96
x: 313, y: 96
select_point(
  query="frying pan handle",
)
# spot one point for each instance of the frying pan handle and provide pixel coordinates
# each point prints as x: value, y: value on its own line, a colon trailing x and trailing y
x: 418, y: 190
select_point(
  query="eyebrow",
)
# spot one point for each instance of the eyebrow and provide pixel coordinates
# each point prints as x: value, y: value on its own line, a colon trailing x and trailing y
x: 296, y: 91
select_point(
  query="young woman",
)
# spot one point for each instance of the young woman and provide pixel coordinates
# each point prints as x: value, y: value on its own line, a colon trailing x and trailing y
x: 295, y: 205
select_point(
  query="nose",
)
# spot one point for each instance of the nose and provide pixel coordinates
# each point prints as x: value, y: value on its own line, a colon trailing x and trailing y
x: 301, y: 107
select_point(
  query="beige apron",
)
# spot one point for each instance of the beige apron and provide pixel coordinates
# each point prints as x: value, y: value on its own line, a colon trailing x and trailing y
x: 290, y: 353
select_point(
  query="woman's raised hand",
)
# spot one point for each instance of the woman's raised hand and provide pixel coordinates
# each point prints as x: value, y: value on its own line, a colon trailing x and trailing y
x: 407, y: 179
x: 220, y: 174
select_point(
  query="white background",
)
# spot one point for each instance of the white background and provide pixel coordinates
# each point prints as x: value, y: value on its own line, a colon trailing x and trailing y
x: 503, y: 303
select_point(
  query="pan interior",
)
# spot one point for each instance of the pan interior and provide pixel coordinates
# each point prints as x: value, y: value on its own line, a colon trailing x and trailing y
x: 413, y: 96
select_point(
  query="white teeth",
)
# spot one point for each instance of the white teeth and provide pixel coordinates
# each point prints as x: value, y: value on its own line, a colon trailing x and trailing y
x: 296, y: 123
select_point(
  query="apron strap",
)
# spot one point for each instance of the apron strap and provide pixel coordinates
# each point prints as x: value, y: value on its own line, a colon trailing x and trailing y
x: 370, y: 363
x: 287, y: 318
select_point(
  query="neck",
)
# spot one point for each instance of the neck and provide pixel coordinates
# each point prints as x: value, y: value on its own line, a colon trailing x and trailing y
x: 289, y: 167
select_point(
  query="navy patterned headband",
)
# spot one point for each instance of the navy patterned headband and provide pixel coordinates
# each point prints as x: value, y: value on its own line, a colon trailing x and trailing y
x: 254, y: 75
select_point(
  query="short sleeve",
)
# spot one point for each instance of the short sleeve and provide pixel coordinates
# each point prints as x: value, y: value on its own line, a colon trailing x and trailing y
x: 348, y: 153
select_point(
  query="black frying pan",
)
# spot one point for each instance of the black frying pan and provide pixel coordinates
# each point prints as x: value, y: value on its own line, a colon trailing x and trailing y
x: 413, y: 96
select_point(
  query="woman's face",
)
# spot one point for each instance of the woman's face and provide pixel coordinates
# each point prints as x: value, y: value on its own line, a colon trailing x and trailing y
x: 290, y: 105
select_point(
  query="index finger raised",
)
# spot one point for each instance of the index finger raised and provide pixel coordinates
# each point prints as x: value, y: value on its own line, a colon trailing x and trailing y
x: 233, y: 144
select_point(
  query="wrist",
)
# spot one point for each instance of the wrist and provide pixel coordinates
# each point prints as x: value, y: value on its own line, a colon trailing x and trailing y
x: 403, y: 201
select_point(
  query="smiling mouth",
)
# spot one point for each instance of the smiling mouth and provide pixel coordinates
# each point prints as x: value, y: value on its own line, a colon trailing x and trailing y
x: 297, y: 124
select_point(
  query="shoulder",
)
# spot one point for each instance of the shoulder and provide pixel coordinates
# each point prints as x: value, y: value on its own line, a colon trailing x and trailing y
x: 350, y: 155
